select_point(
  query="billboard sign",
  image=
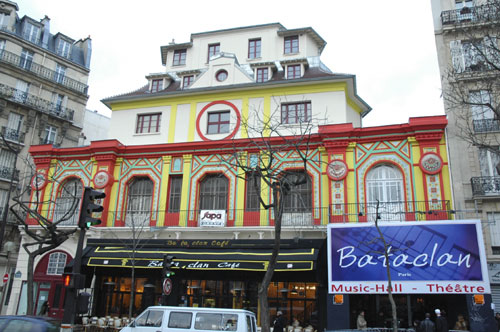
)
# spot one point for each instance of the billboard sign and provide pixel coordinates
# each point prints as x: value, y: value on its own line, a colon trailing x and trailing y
x: 212, y: 218
x: 424, y: 258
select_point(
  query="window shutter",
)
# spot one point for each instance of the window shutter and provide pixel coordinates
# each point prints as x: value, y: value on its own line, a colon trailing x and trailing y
x: 457, y: 57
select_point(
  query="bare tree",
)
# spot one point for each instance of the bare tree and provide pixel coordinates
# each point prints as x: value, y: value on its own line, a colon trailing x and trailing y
x: 44, y: 232
x: 271, y: 139
x: 471, y: 86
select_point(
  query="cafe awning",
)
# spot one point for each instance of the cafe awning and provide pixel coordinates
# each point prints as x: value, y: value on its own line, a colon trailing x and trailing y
x: 289, y: 259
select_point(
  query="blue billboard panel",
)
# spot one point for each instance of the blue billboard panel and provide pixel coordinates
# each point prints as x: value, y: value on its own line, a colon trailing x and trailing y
x: 423, y: 257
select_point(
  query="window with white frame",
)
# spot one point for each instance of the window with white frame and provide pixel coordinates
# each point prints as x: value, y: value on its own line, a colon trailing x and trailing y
x: 21, y: 93
x: 7, y: 159
x: 67, y: 205
x: 58, y: 102
x: 2, y: 45
x: 4, y: 20
x: 50, y: 135
x: 140, y: 195
x: 384, y: 184
x: 3, y: 200
x: 489, y: 160
x: 494, y: 223
x: 14, y: 124
x: 31, y: 32
x: 57, y: 262
x: 59, y: 73
x: 26, y: 59
x: 293, y: 71
x: 64, y: 48
x: 479, y: 104
x: 474, y: 55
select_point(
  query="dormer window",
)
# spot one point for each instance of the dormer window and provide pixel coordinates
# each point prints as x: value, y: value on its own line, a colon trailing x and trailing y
x: 4, y: 20
x: 291, y: 45
x: 187, y: 81
x: 64, y: 48
x: 31, y: 33
x: 179, y: 57
x: 213, y: 49
x: 262, y: 75
x: 156, y: 85
x: 293, y: 71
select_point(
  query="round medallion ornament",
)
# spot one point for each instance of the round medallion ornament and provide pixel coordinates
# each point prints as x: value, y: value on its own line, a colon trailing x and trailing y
x: 337, y: 170
x: 102, y: 179
x: 38, y: 181
x: 431, y: 163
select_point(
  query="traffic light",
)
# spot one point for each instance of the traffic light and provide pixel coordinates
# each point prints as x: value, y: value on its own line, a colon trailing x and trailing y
x: 68, y: 280
x: 72, y: 280
x: 167, y: 266
x: 88, y: 207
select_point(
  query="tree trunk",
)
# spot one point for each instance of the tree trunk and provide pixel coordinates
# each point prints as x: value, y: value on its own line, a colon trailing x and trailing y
x: 30, y: 303
x: 132, y: 284
x: 263, y: 301
x: 389, y: 279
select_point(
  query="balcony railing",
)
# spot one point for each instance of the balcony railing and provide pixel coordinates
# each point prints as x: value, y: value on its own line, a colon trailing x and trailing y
x: 42, y: 72
x: 8, y: 173
x: 486, y: 125
x: 485, y: 186
x: 13, y: 135
x: 477, y: 14
x: 36, y: 103
x: 336, y: 213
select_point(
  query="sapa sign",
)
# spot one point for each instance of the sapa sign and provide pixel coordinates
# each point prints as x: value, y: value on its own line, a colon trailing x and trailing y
x: 212, y: 218
x: 424, y: 258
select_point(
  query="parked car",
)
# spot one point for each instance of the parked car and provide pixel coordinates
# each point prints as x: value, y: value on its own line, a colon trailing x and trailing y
x: 28, y: 323
x: 187, y: 319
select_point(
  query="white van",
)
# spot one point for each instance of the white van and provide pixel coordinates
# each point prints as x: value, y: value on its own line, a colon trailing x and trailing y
x: 187, y: 319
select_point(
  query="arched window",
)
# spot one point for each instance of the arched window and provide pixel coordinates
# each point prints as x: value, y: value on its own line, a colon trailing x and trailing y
x: 384, y: 183
x: 299, y: 197
x: 213, y: 192
x: 68, y: 203
x: 140, y: 194
x: 57, y: 262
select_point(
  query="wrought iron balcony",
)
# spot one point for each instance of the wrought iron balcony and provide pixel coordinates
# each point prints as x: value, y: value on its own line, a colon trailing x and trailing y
x: 486, y: 125
x: 8, y: 173
x: 336, y: 213
x: 13, y: 135
x: 485, y: 186
x: 476, y: 14
x: 42, y: 72
x: 36, y: 103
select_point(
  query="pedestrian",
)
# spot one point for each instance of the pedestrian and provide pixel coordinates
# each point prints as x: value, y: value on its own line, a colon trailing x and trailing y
x: 279, y: 322
x: 295, y: 322
x: 361, y: 321
x: 461, y: 323
x: 497, y: 318
x: 427, y: 325
x: 44, y: 309
x: 441, y: 322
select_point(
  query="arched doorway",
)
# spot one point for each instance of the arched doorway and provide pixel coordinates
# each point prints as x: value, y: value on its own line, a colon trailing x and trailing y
x: 48, y: 277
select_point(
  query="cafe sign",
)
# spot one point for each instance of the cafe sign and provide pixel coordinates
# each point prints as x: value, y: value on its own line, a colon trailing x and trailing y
x: 212, y: 218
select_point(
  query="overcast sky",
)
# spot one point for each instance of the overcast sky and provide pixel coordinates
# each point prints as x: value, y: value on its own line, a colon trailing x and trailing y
x: 389, y: 45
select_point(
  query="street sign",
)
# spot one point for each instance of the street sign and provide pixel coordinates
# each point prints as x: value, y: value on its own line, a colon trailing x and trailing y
x: 5, y: 277
x: 167, y: 286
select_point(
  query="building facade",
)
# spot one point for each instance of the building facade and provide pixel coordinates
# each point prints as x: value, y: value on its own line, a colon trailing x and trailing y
x: 468, y: 56
x: 43, y: 93
x: 174, y: 184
